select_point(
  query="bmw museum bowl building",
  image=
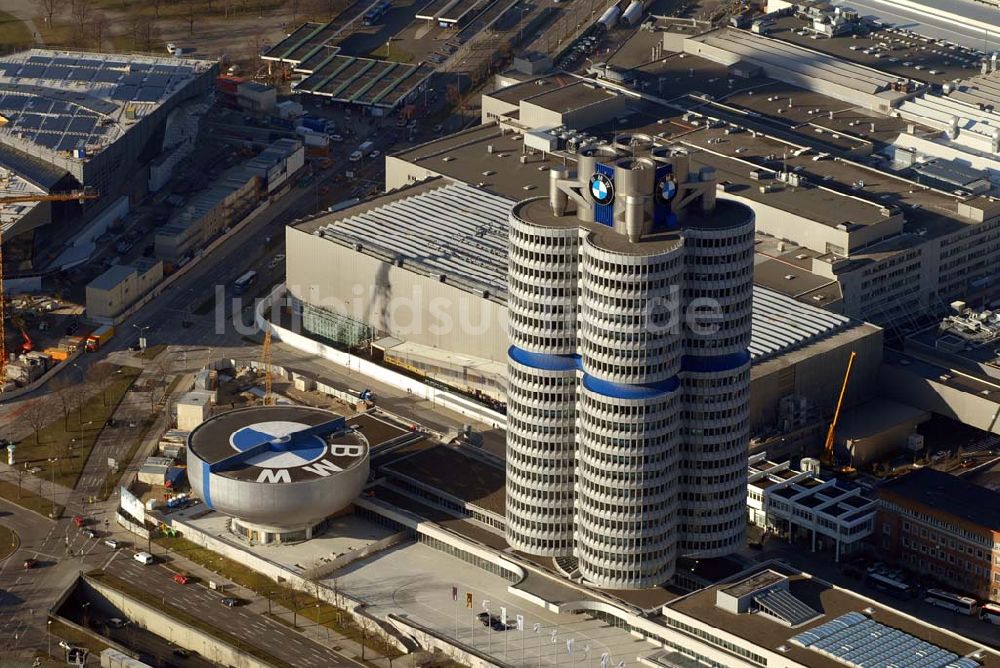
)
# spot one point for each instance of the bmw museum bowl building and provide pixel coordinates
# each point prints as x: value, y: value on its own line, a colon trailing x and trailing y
x: 278, y: 471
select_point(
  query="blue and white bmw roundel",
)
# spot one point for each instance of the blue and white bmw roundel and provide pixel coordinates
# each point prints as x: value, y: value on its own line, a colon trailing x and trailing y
x: 602, y: 189
x: 668, y: 188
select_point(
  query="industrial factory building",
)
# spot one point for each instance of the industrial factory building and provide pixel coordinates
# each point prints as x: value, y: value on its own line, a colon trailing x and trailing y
x: 70, y: 120
x: 437, y: 304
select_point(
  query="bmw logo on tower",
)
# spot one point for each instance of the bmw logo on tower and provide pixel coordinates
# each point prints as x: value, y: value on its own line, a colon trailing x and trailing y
x: 667, y: 189
x: 602, y: 189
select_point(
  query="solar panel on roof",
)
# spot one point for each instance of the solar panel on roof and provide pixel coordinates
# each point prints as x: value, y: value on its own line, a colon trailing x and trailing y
x: 149, y: 94
x: 124, y: 93
x: 107, y: 76
x: 82, y: 124
x: 31, y: 71
x: 49, y: 139
x: 56, y: 72
x: 856, y: 640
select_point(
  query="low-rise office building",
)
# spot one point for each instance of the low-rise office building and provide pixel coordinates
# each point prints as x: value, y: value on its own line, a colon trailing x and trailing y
x: 114, y: 291
x: 802, y: 505
x: 942, y: 527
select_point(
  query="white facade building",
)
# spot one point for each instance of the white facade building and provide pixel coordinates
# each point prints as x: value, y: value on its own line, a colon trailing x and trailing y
x: 627, y: 414
x: 800, y: 504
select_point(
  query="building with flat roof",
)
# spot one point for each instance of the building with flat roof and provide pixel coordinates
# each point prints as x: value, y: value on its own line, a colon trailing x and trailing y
x: 437, y: 305
x: 943, y: 527
x: 837, y: 228
x: 830, y: 514
x: 113, y: 292
x: 74, y: 119
x: 778, y: 617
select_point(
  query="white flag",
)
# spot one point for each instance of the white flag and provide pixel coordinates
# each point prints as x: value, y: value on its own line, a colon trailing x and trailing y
x: 537, y: 627
x: 503, y: 614
x: 555, y: 636
x: 569, y: 647
x: 605, y: 658
x: 520, y: 623
x: 621, y: 664
x: 486, y: 605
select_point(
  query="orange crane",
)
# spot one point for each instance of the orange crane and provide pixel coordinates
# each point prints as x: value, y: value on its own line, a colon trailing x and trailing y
x: 828, y: 446
x: 265, y: 362
x: 81, y: 196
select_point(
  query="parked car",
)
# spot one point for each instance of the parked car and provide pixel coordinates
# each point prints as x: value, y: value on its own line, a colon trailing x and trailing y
x: 30, y: 563
x: 181, y: 578
x: 230, y: 602
x: 116, y: 623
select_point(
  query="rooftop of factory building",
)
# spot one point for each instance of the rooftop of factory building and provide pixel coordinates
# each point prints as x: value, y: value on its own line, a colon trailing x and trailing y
x: 802, y: 59
x: 451, y: 229
x: 927, y: 53
x: 559, y: 93
x: 982, y: 89
x: 407, y: 224
x: 76, y: 104
x: 465, y: 156
x: 834, y: 193
x: 945, y: 493
x: 808, y: 610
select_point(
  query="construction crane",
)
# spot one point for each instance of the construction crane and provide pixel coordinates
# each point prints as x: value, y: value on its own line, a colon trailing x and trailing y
x: 265, y: 363
x: 79, y: 195
x: 828, y: 446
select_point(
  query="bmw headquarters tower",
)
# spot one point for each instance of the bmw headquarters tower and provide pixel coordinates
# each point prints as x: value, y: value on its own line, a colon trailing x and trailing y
x: 630, y: 291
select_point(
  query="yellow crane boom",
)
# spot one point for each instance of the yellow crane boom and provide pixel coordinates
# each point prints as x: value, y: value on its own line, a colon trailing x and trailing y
x: 828, y: 446
x: 80, y: 195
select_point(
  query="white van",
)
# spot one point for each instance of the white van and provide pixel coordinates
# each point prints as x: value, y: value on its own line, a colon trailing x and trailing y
x: 112, y: 543
x: 143, y: 558
x: 354, y: 157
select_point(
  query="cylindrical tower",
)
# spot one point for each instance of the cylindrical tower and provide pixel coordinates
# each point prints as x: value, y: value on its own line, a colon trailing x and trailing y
x: 630, y: 293
x: 541, y: 385
x: 630, y: 348
x: 716, y: 378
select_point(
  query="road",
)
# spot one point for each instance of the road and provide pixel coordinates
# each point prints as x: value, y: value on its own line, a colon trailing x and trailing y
x: 26, y: 595
x: 255, y: 629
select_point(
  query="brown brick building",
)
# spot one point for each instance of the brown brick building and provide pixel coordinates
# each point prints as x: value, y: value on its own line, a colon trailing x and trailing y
x: 936, y: 524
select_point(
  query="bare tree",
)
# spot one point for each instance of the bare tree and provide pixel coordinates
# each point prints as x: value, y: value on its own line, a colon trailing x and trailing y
x: 81, y: 11
x: 36, y: 414
x: 49, y: 8
x: 103, y: 377
x: 156, y: 7
x: 65, y: 392
x: 100, y: 24
x: 191, y: 13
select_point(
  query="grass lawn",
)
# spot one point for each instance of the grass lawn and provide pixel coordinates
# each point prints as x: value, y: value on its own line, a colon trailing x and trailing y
x: 8, y: 541
x: 111, y: 483
x: 72, y: 445
x: 29, y: 500
x: 14, y: 34
x: 76, y: 638
x: 152, y: 351
x: 309, y: 607
x: 184, y: 617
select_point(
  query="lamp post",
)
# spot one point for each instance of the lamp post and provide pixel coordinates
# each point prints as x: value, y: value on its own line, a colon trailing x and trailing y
x: 48, y: 634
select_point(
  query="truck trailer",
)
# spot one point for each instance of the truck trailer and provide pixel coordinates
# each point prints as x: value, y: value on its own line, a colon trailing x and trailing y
x: 99, y: 337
